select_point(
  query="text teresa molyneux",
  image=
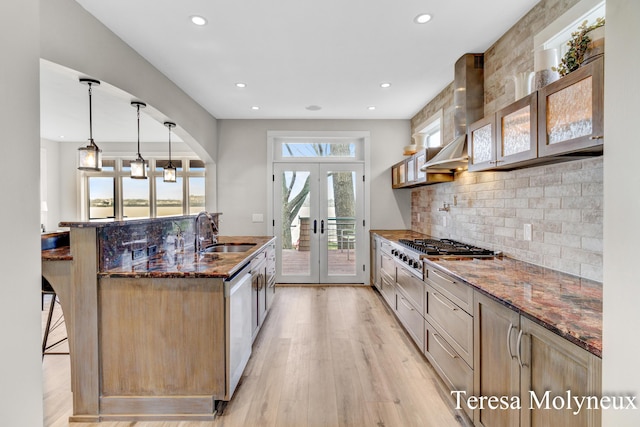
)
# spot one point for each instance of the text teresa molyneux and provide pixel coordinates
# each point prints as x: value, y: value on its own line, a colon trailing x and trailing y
x: 545, y: 401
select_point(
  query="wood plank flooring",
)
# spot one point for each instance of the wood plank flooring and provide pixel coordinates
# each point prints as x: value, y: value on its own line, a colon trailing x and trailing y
x: 326, y: 356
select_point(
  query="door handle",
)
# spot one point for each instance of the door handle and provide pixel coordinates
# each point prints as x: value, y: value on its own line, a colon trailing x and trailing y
x: 322, y: 227
x: 509, y: 340
x: 315, y: 226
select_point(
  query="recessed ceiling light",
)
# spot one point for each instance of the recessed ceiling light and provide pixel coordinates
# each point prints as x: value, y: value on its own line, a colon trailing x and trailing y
x: 62, y: 136
x: 371, y: 107
x: 198, y: 20
x: 423, y: 18
x: 313, y: 107
x: 255, y: 107
x: 385, y: 85
x: 241, y: 85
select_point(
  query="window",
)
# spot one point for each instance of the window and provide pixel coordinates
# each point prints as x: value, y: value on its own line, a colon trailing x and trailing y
x: 429, y: 131
x: 319, y: 149
x: 112, y: 193
x: 558, y: 33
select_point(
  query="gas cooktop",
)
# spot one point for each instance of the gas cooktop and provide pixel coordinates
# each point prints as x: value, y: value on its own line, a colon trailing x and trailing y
x: 444, y: 247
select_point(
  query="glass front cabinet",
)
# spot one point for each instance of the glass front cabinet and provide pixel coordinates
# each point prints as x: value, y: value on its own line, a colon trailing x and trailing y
x: 559, y: 122
x: 572, y: 112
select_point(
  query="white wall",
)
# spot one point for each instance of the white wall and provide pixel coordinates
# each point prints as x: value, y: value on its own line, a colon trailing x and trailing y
x: 21, y: 367
x: 51, y: 176
x: 242, y: 170
x: 621, y: 347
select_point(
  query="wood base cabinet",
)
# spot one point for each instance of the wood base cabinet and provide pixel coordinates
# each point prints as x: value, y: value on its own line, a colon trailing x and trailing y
x: 532, y: 369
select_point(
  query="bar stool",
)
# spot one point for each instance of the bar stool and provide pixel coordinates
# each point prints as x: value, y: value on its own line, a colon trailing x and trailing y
x: 47, y: 289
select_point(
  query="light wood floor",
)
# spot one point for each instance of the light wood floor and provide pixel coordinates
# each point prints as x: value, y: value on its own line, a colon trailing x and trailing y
x: 326, y: 356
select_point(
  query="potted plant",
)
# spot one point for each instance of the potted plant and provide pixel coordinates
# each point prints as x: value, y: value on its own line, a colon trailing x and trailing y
x: 579, y: 45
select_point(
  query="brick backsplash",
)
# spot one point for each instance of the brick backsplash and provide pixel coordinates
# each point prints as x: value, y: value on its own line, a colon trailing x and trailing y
x: 562, y: 202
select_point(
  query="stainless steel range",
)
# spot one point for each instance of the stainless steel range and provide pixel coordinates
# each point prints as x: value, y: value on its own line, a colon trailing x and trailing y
x: 446, y: 247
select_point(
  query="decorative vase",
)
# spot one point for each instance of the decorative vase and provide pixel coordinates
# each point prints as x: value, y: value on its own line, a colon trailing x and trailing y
x: 595, y: 47
x: 523, y: 83
x: 544, y: 62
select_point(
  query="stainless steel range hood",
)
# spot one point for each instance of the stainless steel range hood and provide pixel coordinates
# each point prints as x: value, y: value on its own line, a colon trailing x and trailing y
x: 451, y: 158
x: 468, y: 103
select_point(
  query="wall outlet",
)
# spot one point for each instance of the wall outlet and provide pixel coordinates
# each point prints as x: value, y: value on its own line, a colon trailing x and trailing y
x: 527, y: 232
x: 257, y: 218
x: 444, y: 221
x: 418, y: 216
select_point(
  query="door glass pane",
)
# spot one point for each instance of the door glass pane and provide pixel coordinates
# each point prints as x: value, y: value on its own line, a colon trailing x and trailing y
x: 196, y: 195
x: 482, y: 144
x: 101, y: 191
x: 516, y: 132
x: 341, y: 226
x: 296, y: 223
x: 168, y: 197
x: 135, y: 197
x: 319, y: 149
x: 570, y: 112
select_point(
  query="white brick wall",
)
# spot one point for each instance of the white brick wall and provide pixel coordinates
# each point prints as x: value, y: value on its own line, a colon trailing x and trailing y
x: 562, y: 202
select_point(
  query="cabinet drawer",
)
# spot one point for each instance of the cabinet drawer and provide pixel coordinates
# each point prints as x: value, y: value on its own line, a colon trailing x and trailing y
x: 456, y: 374
x: 460, y: 293
x: 388, y: 290
x: 412, y: 320
x: 453, y: 323
x: 412, y: 288
x: 388, y: 266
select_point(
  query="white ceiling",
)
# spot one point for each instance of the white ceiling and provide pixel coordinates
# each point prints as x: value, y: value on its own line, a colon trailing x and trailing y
x: 290, y: 53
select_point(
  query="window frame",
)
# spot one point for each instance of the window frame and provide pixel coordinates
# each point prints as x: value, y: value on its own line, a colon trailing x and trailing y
x: 430, y: 127
x: 118, y: 173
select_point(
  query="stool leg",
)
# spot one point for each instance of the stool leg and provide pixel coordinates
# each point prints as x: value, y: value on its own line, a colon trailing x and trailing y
x: 46, y: 329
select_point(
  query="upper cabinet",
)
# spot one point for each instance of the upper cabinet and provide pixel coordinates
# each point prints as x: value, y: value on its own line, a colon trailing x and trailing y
x: 562, y: 121
x: 572, y: 112
x: 407, y: 173
x: 505, y: 139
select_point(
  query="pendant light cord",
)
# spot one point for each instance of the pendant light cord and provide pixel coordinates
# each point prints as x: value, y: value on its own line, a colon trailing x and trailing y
x: 138, y: 107
x: 90, y: 116
x: 169, y: 145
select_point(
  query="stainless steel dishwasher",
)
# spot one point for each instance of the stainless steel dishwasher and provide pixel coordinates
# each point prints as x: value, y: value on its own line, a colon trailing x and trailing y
x: 239, y: 339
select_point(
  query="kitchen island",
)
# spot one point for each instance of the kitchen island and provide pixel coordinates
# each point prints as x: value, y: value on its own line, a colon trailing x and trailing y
x: 149, y: 318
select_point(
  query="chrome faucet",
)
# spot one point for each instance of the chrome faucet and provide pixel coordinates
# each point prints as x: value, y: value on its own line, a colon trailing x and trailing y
x: 210, y: 235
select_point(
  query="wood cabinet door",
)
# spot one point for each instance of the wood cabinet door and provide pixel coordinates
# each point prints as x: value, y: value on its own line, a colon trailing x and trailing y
x: 553, y: 365
x: 571, y: 112
x: 517, y: 132
x: 496, y: 370
x: 481, y: 144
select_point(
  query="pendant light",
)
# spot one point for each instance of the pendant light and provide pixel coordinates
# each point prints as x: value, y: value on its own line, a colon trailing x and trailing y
x: 169, y: 174
x: 139, y: 165
x: 90, y: 157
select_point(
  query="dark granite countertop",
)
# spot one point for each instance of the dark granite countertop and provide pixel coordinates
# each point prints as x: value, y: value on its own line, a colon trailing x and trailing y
x: 55, y: 246
x: 189, y: 264
x: 567, y: 305
x: 57, y: 254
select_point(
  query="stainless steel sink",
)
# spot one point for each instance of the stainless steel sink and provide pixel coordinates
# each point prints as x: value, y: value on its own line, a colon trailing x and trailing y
x: 230, y: 247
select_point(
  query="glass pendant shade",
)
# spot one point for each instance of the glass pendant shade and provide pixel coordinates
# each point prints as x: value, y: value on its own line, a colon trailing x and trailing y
x: 90, y: 157
x: 169, y: 174
x: 139, y: 165
x: 139, y: 168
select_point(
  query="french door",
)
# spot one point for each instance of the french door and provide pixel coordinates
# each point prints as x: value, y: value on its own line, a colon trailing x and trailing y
x: 319, y: 213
